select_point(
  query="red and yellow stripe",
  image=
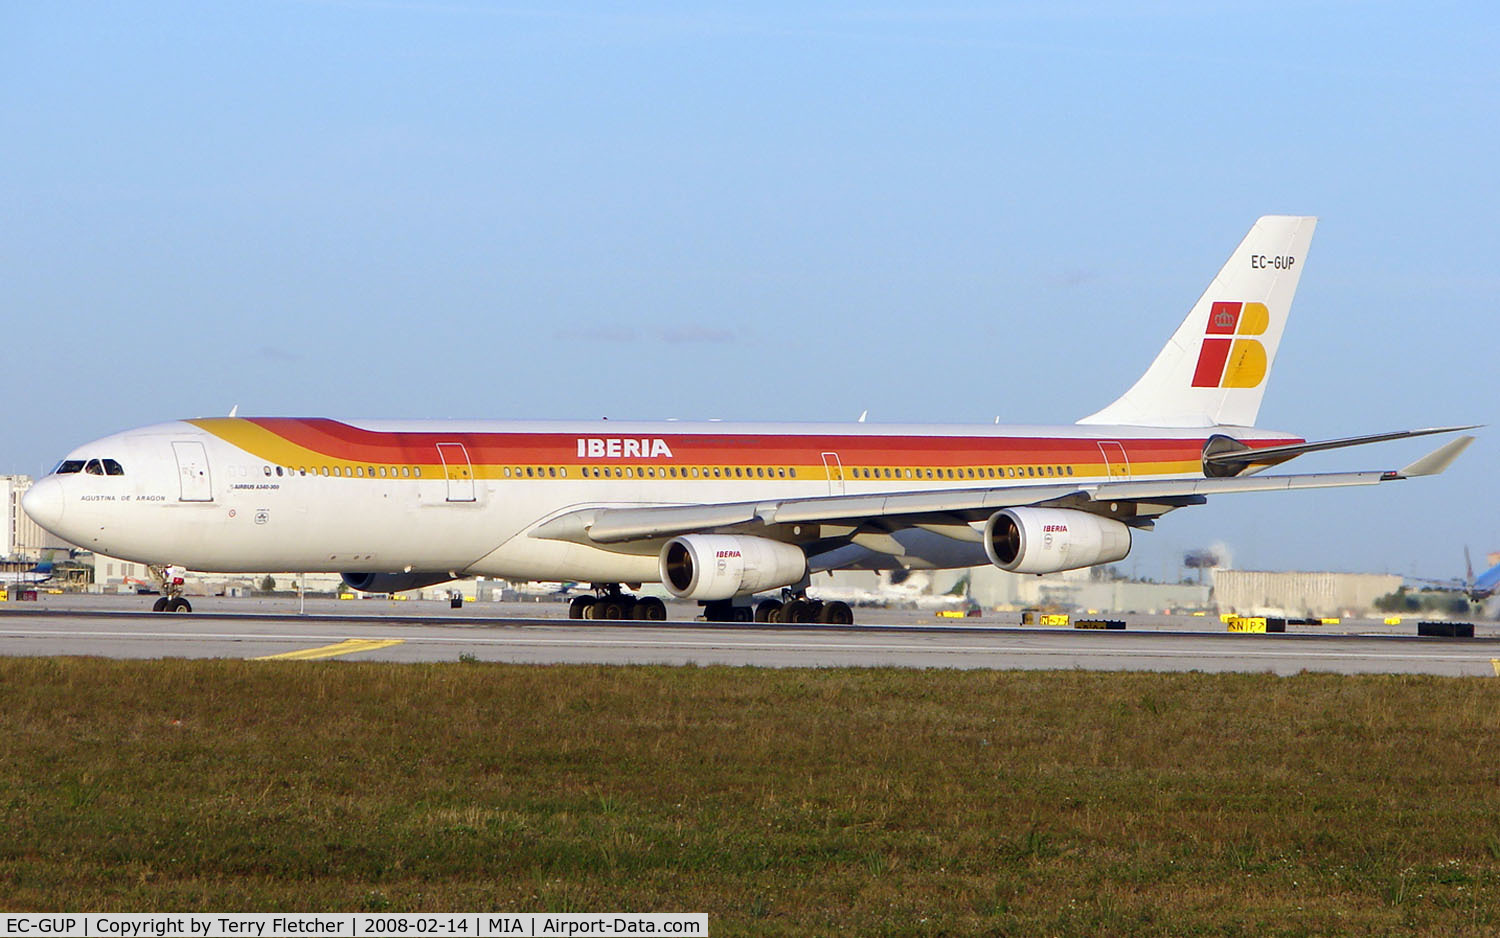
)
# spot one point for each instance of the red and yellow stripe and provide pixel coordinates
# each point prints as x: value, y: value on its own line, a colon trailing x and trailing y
x: 314, y: 443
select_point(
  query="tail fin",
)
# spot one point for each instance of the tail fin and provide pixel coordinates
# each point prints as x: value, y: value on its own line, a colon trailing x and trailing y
x: 1214, y: 369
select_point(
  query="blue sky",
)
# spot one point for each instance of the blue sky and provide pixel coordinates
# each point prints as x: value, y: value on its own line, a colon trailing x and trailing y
x: 768, y: 211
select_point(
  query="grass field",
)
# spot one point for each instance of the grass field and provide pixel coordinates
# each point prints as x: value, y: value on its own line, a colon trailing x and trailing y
x: 865, y: 802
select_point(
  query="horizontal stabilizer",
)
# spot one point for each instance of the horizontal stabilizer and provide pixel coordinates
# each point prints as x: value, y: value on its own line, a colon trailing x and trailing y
x: 1275, y: 454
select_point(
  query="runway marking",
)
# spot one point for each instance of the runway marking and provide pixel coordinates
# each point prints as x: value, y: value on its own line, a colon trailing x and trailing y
x: 1495, y: 663
x: 1111, y: 650
x: 348, y: 647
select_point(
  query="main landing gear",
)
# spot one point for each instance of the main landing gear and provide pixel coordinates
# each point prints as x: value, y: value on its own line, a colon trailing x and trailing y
x: 608, y: 602
x: 170, y: 579
x: 801, y: 610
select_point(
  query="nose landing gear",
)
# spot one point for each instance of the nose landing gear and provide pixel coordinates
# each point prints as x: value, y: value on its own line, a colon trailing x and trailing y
x: 170, y: 579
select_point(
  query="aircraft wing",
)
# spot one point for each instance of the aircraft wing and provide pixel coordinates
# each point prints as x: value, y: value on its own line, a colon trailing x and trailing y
x: 951, y: 511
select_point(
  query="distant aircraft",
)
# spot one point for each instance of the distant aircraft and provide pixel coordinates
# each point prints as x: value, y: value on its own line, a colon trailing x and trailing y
x: 37, y: 575
x: 1477, y: 589
x: 718, y: 512
x: 1482, y: 587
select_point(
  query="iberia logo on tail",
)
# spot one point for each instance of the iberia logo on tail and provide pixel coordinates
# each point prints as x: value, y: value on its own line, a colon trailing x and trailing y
x: 1233, y: 362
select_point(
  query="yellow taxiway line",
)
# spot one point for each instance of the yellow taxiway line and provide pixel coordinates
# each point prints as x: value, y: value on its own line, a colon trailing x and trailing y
x: 333, y: 651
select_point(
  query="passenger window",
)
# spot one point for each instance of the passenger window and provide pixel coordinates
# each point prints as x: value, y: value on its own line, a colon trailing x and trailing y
x: 416, y: 472
x: 279, y: 472
x: 506, y: 470
x: 793, y: 472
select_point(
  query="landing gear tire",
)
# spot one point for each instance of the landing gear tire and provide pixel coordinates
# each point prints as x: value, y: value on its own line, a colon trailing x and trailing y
x: 651, y: 609
x: 725, y: 611
x: 798, y: 612
x: 768, y: 611
x: 836, y: 613
x: 579, y: 607
x: 608, y: 609
x: 160, y: 605
x: 178, y: 604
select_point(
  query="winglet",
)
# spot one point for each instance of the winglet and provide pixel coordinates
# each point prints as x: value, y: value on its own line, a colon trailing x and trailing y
x: 1437, y: 460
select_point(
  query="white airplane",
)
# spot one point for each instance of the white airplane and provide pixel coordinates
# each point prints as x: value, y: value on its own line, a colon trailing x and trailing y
x: 37, y: 575
x: 715, y: 512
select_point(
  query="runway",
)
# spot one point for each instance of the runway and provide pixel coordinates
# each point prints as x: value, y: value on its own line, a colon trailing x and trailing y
x: 1168, y: 646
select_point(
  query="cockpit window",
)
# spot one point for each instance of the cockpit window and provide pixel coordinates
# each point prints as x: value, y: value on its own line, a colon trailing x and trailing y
x: 69, y: 466
x: 112, y: 468
x: 94, y: 468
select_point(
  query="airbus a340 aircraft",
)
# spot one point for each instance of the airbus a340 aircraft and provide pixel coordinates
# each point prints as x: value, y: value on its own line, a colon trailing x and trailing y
x: 715, y: 512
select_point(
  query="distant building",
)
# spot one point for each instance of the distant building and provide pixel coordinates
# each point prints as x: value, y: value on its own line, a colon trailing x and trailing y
x: 1076, y: 590
x: 1292, y: 593
x: 113, y: 575
x: 22, y: 538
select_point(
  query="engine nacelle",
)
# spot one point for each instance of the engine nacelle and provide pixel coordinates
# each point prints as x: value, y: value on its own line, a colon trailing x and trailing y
x: 394, y: 582
x: 711, y: 567
x: 1047, y: 540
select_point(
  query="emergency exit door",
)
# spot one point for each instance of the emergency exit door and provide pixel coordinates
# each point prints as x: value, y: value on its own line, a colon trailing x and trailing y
x: 192, y: 471
x: 458, y: 471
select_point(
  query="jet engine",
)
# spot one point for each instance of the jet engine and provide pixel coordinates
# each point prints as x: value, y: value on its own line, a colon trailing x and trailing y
x: 712, y: 567
x: 1047, y: 540
x: 394, y: 582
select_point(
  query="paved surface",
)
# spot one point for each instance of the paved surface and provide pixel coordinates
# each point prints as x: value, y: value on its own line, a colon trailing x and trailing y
x: 412, y: 631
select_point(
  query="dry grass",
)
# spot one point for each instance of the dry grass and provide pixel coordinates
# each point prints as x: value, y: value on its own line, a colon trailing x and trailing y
x: 782, y: 802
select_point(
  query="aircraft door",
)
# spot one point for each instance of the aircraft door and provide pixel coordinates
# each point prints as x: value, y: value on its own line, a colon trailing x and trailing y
x: 458, y: 471
x: 192, y: 471
x: 835, y: 473
x: 1116, y: 463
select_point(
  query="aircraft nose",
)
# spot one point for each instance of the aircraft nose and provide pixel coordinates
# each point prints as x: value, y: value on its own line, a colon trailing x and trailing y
x: 44, y: 503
